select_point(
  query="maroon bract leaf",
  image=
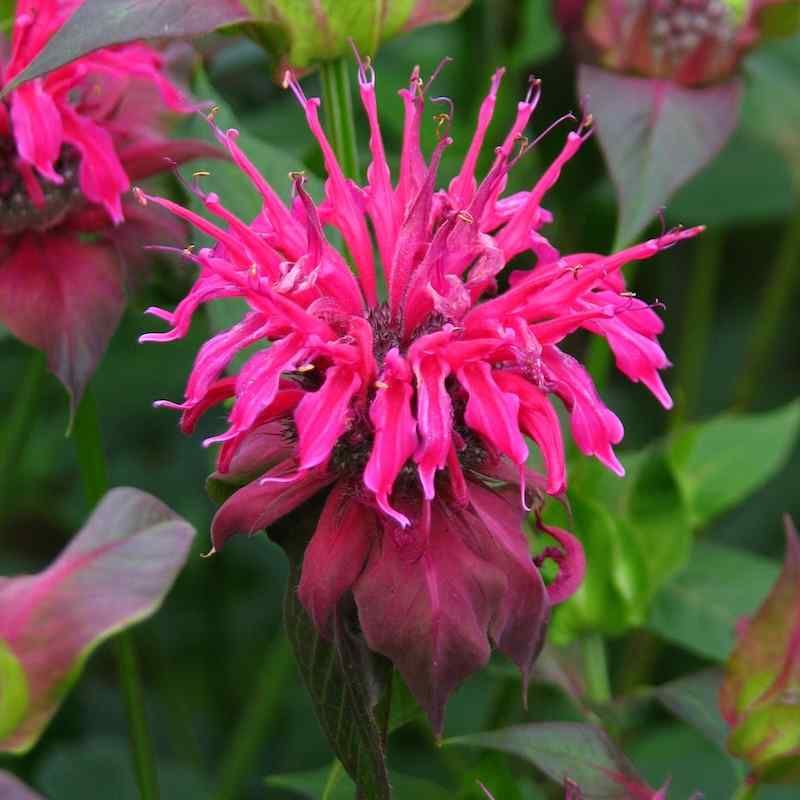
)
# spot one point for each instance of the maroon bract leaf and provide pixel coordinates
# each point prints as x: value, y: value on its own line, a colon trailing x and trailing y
x: 758, y: 697
x: 64, y: 297
x: 11, y: 788
x: 567, y: 751
x: 655, y: 136
x: 114, y: 573
x: 102, y: 23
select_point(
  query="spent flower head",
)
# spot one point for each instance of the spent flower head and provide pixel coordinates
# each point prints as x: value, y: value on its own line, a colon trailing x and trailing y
x: 689, y: 41
x: 413, y: 409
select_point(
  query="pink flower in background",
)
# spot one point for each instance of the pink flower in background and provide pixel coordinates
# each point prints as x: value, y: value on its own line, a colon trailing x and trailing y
x: 689, y: 41
x: 414, y: 412
x: 70, y: 143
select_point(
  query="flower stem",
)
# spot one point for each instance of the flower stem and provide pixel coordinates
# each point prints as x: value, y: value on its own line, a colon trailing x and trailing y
x: 19, y: 422
x: 775, y: 302
x: 338, y: 105
x: 595, y: 664
x: 747, y: 791
x: 94, y: 475
x: 256, y: 721
x: 334, y: 776
x: 697, y: 324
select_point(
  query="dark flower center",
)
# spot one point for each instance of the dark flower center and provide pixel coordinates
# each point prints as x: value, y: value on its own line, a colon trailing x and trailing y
x: 24, y: 210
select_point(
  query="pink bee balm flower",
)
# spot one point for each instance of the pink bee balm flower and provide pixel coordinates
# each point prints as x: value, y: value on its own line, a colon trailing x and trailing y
x: 414, y: 412
x: 70, y: 143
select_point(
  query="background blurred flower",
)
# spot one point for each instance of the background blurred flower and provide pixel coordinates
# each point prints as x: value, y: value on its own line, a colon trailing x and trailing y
x: 301, y: 34
x: 70, y: 143
x: 692, y: 42
x: 414, y: 410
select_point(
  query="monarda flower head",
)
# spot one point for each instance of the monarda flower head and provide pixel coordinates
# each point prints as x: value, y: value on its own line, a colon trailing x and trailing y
x: 412, y: 411
x: 70, y: 143
x: 692, y: 42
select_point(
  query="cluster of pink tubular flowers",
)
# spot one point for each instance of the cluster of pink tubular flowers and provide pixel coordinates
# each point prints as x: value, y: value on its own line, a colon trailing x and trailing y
x: 413, y: 412
x: 70, y: 144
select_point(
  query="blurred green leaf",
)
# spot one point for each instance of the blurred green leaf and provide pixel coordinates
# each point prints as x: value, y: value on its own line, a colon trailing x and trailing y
x: 561, y: 750
x: 779, y: 19
x: 720, y: 462
x: 102, y: 23
x: 344, y: 678
x: 699, y: 609
x: 772, y: 103
x: 312, y: 784
x: 655, y: 136
x: 13, y: 690
x: 113, y: 574
x: 538, y: 38
x: 636, y: 534
x: 695, y: 700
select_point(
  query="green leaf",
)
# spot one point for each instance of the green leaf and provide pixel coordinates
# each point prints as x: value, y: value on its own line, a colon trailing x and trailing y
x: 655, y: 136
x: 11, y: 788
x: 699, y: 609
x: 102, y: 23
x: 636, y: 534
x: 538, y: 38
x: 719, y: 463
x: 561, y: 750
x: 312, y: 784
x: 695, y: 700
x: 113, y: 574
x: 344, y: 678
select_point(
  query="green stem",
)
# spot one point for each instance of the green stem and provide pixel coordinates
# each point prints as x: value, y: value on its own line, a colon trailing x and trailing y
x: 259, y: 717
x: 94, y: 475
x: 747, y: 791
x: 338, y: 105
x: 697, y: 324
x: 19, y: 423
x: 334, y: 776
x: 598, y: 687
x: 775, y: 302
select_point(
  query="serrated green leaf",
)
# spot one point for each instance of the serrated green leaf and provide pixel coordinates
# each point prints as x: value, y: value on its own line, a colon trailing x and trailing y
x: 720, y: 462
x: 699, y: 609
x: 344, y: 678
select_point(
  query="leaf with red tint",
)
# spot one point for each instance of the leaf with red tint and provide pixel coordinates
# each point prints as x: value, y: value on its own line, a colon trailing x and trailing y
x: 113, y: 574
x: 102, y: 23
x: 11, y: 788
x: 64, y: 297
x: 758, y: 697
x: 567, y: 751
x: 655, y: 136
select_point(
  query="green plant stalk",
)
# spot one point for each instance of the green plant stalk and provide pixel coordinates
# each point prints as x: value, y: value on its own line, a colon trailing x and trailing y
x: 595, y: 663
x: 94, y: 475
x: 747, y: 791
x: 19, y: 422
x: 337, y: 102
x: 257, y: 721
x: 775, y: 302
x: 334, y: 776
x: 697, y: 324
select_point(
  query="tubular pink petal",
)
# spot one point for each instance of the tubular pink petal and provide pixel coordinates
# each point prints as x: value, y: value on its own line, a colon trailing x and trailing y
x: 322, y: 416
x: 492, y: 412
x: 571, y: 564
x: 38, y: 130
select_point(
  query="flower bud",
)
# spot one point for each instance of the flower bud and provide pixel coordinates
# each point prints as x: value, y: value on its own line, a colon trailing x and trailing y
x: 692, y: 42
x: 760, y: 697
x: 301, y: 34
